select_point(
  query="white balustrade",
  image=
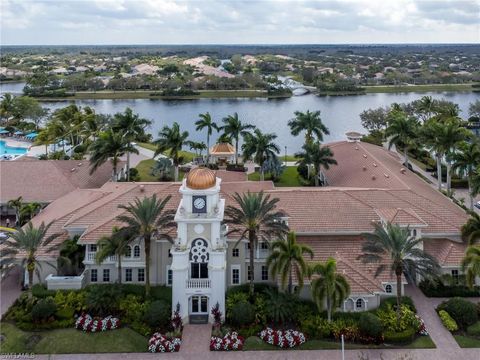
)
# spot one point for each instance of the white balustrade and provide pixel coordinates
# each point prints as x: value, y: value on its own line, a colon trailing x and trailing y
x: 198, y: 284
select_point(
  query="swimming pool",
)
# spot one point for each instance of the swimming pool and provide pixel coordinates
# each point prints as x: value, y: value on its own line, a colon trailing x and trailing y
x: 10, y: 150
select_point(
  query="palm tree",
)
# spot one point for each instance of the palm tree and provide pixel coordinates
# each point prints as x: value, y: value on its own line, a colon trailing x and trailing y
x: 454, y: 134
x: 471, y: 229
x: 234, y: 128
x: 7, y: 106
x: 147, y: 218
x: 109, y: 145
x: 28, y: 211
x: 311, y: 123
x: 255, y: 218
x: 319, y: 156
x: 172, y: 140
x: 198, y: 147
x: 402, y: 131
x: 434, y: 136
x: 393, y: 243
x: 471, y: 264
x: 206, y: 121
x: 25, y: 243
x: 17, y: 205
x: 466, y: 160
x: 286, y: 258
x: 260, y: 147
x: 329, y: 287
x: 114, y: 245
x: 131, y: 126
x: 426, y: 107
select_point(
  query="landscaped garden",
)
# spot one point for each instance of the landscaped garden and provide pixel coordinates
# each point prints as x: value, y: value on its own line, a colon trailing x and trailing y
x: 272, y: 320
x: 99, y: 318
x: 461, y: 318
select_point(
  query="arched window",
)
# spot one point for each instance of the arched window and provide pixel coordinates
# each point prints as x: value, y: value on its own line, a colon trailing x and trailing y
x: 359, y: 303
x: 128, y: 253
x: 199, y: 251
x: 136, y: 251
x: 388, y: 288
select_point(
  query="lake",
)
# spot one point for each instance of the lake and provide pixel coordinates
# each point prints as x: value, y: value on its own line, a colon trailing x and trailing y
x: 339, y: 113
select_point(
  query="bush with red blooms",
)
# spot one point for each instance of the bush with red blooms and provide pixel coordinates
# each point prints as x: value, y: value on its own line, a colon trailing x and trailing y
x: 160, y: 343
x: 230, y: 342
x: 282, y: 338
x: 86, y: 323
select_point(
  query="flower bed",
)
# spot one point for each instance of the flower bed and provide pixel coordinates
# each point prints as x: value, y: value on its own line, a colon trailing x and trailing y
x: 282, y: 338
x: 87, y: 324
x: 160, y: 343
x: 230, y: 342
x: 422, y: 329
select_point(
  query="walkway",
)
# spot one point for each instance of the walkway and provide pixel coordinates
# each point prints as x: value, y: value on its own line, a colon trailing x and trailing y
x: 10, y: 289
x: 196, y: 341
x: 426, y: 310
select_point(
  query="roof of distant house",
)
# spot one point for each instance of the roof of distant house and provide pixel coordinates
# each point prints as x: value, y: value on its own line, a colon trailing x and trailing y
x: 47, y: 180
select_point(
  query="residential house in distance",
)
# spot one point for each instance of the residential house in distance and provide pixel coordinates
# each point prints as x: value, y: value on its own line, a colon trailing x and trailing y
x: 368, y: 186
x: 44, y: 181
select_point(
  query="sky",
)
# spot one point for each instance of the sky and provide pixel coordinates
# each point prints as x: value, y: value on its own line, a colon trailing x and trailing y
x: 81, y: 22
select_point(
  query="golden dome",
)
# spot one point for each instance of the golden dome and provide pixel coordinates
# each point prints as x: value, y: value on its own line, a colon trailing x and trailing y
x: 201, y: 178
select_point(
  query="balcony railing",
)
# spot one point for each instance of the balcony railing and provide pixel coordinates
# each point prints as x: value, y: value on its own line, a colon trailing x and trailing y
x: 198, y: 284
x: 91, y: 257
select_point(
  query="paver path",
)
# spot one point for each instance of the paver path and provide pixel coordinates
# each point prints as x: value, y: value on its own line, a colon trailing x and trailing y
x: 196, y: 340
x: 10, y: 289
x: 426, y: 310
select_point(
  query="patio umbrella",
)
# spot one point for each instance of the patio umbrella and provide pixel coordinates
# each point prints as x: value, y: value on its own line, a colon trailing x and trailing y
x: 32, y: 135
x: 4, y: 132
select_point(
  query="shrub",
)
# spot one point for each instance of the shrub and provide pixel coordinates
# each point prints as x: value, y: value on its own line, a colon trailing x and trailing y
x: 233, y: 299
x: 87, y: 324
x: 44, y: 310
x: 474, y: 330
x: 316, y: 327
x: 348, y: 328
x: 392, y: 301
x: 370, y: 325
x: 251, y: 330
x: 157, y: 315
x: 439, y: 289
x: 243, y: 313
x: 401, y: 337
x: 40, y: 291
x: 160, y: 343
x: 282, y: 338
x: 132, y: 308
x: 279, y: 306
x: 71, y: 300
x: 161, y: 293
x: 65, y: 313
x: 230, y: 342
x: 462, y: 311
x: 388, y: 317
x: 447, y: 321
x: 102, y: 300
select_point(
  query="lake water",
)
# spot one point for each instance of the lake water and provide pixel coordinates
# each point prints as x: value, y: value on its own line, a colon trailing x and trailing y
x: 339, y: 113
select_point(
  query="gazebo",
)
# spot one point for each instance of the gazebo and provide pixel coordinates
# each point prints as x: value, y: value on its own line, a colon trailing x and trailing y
x: 222, y: 153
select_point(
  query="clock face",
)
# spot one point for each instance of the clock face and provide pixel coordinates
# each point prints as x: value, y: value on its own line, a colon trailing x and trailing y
x: 199, y: 204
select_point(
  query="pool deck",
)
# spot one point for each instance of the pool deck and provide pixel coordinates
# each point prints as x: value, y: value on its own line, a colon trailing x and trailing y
x: 31, y: 150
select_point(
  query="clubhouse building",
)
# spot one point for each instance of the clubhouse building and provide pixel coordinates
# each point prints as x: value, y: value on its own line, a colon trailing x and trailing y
x: 369, y: 185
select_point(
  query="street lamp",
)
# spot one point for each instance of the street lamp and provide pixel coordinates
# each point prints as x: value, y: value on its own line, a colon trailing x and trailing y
x: 285, y: 155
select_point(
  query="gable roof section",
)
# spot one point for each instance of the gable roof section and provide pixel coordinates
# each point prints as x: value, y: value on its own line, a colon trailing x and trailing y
x: 447, y: 252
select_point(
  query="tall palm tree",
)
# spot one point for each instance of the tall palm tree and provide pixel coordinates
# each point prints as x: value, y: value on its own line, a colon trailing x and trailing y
x: 318, y: 156
x: 426, y: 107
x: 255, y: 218
x: 25, y: 243
x: 402, y: 131
x: 146, y: 218
x: 207, y: 122
x: 17, y: 205
x: 260, y: 147
x: 7, y: 107
x: 311, y: 123
x: 28, y: 211
x: 328, y: 287
x: 109, y: 145
x: 114, y: 245
x: 131, y: 126
x: 466, y: 160
x: 286, y: 258
x: 234, y: 128
x: 172, y: 140
x: 434, y: 136
x: 394, y: 244
x: 471, y: 264
x: 471, y: 229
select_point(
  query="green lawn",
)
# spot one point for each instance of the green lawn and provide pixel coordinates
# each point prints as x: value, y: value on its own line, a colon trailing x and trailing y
x: 187, y: 155
x: 419, y: 88
x: 71, y: 341
x: 255, y: 343
x: 467, y: 341
x: 145, y: 168
x: 288, y: 178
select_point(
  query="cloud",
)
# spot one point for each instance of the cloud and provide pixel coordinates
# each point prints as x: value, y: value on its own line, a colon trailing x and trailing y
x: 222, y: 21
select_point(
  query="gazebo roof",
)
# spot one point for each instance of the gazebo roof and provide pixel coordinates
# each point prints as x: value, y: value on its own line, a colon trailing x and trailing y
x: 222, y: 149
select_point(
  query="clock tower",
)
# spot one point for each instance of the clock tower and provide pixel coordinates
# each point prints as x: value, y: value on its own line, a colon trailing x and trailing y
x: 199, y: 252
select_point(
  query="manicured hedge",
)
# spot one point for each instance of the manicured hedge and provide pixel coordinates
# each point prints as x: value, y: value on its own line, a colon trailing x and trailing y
x: 440, y: 290
x: 474, y: 330
x: 447, y: 321
x: 462, y: 311
x: 402, y: 337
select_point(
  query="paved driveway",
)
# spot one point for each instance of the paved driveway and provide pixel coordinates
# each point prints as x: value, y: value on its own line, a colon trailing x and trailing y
x: 10, y: 289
